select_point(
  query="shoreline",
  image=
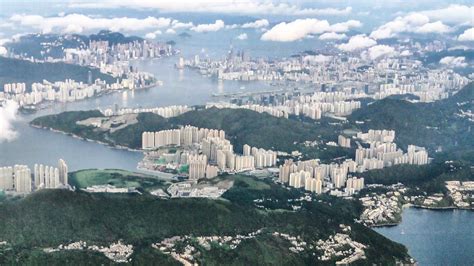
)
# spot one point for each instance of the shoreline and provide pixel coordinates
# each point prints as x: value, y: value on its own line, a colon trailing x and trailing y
x: 411, y: 205
x: 117, y: 147
x: 31, y: 109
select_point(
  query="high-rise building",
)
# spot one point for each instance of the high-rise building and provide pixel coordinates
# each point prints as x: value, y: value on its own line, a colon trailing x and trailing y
x: 6, y: 178
x: 22, y: 176
x: 63, y: 172
x: 197, y: 166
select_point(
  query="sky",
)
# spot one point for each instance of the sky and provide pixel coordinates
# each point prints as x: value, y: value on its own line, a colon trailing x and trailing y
x: 283, y: 21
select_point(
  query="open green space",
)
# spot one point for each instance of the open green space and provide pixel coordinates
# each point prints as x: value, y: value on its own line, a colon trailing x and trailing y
x: 118, y: 178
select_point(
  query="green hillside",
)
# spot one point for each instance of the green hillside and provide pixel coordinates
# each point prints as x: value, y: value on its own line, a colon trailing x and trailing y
x: 241, y: 126
x: 257, y: 129
x: 51, y: 217
x: 434, y: 125
x: 16, y: 70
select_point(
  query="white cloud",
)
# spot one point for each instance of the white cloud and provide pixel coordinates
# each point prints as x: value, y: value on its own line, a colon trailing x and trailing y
x: 467, y: 35
x: 3, y: 51
x: 453, y: 14
x: 73, y: 28
x: 346, y: 26
x: 301, y: 28
x: 435, y: 27
x: 249, y: 7
x: 170, y: 31
x: 17, y: 37
x: 357, y: 42
x: 8, y: 114
x: 453, y: 61
x: 242, y: 36
x: 76, y: 23
x: 233, y: 26
x: 3, y: 41
x: 152, y: 35
x: 411, y: 23
x: 332, y: 36
x: 261, y: 23
x: 378, y: 51
x: 218, y: 25
x: 295, y: 30
x: 181, y: 25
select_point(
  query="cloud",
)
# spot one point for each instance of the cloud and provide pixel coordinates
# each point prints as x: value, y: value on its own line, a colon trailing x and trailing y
x: 8, y: 114
x: 453, y: 61
x: 152, y: 35
x: 242, y: 36
x: 346, y: 26
x: 378, y: 51
x: 326, y: 12
x: 170, y: 31
x: 467, y: 35
x: 435, y: 27
x: 248, y: 7
x: 76, y: 23
x: 411, y: 23
x: 332, y: 36
x: 181, y: 25
x: 301, y: 28
x: 357, y: 42
x: 261, y: 23
x: 3, y: 51
x: 453, y: 14
x: 73, y: 28
x: 218, y: 25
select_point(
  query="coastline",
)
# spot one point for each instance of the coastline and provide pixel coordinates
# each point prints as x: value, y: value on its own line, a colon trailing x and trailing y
x: 118, y: 147
x: 29, y: 109
x: 416, y: 206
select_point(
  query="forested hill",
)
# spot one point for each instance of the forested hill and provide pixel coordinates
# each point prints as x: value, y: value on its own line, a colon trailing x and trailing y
x: 241, y: 126
x: 48, y: 218
x: 438, y: 125
x: 17, y: 70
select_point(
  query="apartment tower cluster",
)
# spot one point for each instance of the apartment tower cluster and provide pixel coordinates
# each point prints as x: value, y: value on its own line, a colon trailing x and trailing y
x: 207, y: 151
x: 383, y: 152
x: 314, y: 176
x: 19, y: 178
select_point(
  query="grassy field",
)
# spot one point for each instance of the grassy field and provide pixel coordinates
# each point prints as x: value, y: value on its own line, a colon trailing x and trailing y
x: 115, y: 177
x: 242, y: 180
